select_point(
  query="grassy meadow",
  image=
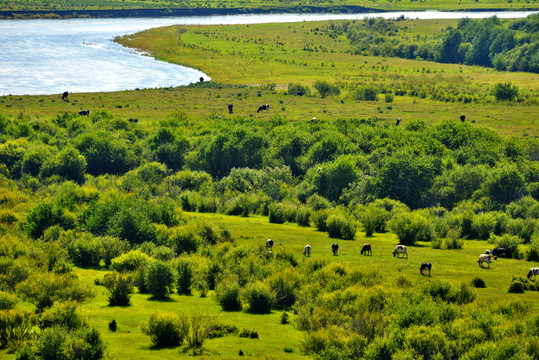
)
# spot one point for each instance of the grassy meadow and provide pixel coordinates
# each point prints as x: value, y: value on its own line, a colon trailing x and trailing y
x: 190, y: 183
x: 299, y: 5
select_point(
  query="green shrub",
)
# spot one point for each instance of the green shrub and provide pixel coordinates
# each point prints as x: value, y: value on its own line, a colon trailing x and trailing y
x: 505, y: 91
x: 184, y: 269
x: 259, y: 298
x: 120, y: 288
x: 130, y: 261
x: 15, y: 326
x: 517, y: 286
x: 325, y: 89
x: 374, y: 218
x: 251, y: 334
x: 303, y: 216
x: 284, y: 286
x: 199, y: 331
x: 228, y: 295
x: 111, y: 248
x: 319, y: 218
x: 45, y: 215
x: 65, y: 314
x: 427, y: 342
x: 85, y: 250
x: 184, y: 240
x: 277, y: 214
x: 166, y: 329
x: 411, y: 227
x: 341, y: 228
x: 159, y: 279
x: 365, y: 93
x: 7, y: 300
x: 478, y: 282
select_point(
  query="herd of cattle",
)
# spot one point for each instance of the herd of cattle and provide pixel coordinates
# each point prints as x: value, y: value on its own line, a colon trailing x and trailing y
x: 401, y: 250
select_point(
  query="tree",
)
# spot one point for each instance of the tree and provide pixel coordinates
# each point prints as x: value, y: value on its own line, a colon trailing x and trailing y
x: 120, y: 288
x: 505, y: 91
x: 68, y: 164
x: 331, y: 179
x: 505, y: 184
x: 410, y: 228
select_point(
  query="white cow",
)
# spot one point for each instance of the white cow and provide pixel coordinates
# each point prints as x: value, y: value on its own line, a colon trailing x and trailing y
x: 307, y: 250
x: 488, y: 258
x: 400, y: 249
x: 534, y: 271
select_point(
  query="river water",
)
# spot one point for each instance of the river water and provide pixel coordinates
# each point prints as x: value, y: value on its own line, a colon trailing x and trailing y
x: 78, y: 55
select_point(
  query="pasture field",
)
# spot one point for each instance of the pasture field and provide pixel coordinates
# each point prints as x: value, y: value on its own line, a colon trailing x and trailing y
x: 298, y: 5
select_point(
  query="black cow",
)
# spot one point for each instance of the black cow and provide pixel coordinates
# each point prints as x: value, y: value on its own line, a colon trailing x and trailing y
x: 84, y: 112
x: 263, y: 107
x: 335, y: 249
x: 501, y: 252
x: 133, y: 120
x: 398, y: 121
x: 201, y: 79
x: 462, y: 118
x: 299, y: 93
x: 230, y: 108
x: 366, y: 249
x: 425, y: 266
x: 65, y: 95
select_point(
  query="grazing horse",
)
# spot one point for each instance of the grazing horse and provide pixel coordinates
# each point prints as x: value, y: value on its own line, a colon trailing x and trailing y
x: 398, y: 121
x: 484, y: 258
x: 269, y: 244
x: 366, y: 249
x: 307, y: 250
x: 263, y: 107
x: 65, y: 95
x: 462, y: 118
x: 534, y: 271
x: 425, y: 266
x: 230, y: 108
x: 84, y: 112
x: 335, y: 249
x: 400, y: 249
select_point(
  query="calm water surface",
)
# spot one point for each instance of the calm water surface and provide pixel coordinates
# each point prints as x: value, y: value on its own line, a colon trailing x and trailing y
x: 53, y: 56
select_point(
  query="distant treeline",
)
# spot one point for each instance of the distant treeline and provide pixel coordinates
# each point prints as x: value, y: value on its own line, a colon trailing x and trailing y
x: 512, y: 46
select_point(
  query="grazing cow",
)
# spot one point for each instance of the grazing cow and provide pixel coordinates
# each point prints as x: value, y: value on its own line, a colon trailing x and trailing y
x: 269, y: 244
x: 501, y: 252
x: 534, y: 271
x: 201, y: 79
x: 400, y: 249
x: 307, y: 250
x: 488, y: 252
x: 335, y: 249
x: 299, y: 93
x: 65, y: 95
x: 366, y: 249
x: 313, y: 119
x: 484, y: 258
x: 84, y: 112
x: 462, y: 118
x: 263, y: 107
x: 425, y: 266
x: 230, y: 108
x: 398, y: 121
x: 133, y: 120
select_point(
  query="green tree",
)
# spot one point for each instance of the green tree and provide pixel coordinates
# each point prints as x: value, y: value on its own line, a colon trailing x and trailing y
x: 68, y: 164
x: 505, y: 184
x: 330, y: 179
x: 325, y: 89
x: 120, y: 288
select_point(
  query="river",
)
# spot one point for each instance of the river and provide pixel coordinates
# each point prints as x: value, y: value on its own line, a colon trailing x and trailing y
x: 78, y: 55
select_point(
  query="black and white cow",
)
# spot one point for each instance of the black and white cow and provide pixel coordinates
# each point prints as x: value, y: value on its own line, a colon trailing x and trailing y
x: 335, y: 249
x: 263, y: 107
x: 84, y: 112
x: 307, y: 250
x: 485, y: 258
x: 366, y: 249
x: 425, y: 266
x: 269, y: 244
x: 400, y: 249
x: 534, y: 271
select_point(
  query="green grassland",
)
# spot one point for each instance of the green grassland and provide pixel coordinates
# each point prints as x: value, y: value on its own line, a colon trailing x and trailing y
x: 70, y: 183
x: 297, y: 5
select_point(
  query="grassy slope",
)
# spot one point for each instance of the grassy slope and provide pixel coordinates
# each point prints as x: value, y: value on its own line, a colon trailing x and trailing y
x: 453, y: 265
x: 265, y: 4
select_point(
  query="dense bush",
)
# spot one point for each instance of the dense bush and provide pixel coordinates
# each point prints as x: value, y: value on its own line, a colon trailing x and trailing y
x: 341, y: 228
x: 120, y: 288
x: 184, y: 268
x: 65, y: 314
x: 160, y: 279
x: 411, y: 227
x: 259, y: 298
x: 228, y: 295
x: 129, y: 261
x: 166, y: 329
x: 15, y: 326
x: 82, y: 344
x: 7, y: 300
